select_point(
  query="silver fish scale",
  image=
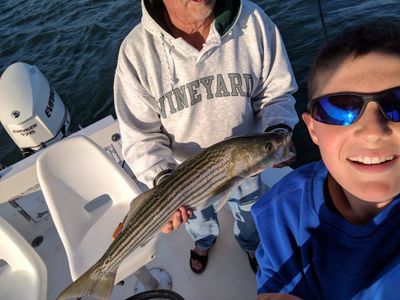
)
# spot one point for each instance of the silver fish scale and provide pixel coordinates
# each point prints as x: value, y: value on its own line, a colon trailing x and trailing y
x: 201, y: 176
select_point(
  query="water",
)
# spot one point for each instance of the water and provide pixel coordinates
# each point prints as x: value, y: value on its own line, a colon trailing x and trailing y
x: 75, y: 44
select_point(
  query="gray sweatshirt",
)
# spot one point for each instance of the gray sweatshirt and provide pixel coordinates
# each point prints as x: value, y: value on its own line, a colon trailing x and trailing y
x: 173, y: 100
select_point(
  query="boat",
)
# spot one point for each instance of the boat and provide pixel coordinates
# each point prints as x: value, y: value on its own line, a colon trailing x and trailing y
x: 24, y: 207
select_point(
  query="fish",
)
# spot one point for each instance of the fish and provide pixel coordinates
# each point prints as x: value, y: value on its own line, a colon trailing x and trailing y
x: 200, y: 181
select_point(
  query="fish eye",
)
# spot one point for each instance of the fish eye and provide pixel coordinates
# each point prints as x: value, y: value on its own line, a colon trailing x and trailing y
x: 269, y: 146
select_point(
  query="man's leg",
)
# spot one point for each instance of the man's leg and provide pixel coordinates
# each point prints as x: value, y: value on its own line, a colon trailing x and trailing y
x: 244, y: 229
x: 203, y: 227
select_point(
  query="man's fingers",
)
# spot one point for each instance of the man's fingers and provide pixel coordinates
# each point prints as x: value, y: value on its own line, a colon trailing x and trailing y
x: 184, y: 214
x: 180, y: 216
x: 175, y: 222
x: 177, y: 219
x: 167, y: 228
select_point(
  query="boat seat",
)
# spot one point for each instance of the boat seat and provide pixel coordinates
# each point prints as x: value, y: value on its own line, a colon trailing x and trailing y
x: 88, y: 194
x: 23, y: 274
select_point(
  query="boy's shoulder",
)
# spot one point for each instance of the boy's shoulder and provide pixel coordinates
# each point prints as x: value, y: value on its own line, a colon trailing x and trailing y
x: 295, y: 186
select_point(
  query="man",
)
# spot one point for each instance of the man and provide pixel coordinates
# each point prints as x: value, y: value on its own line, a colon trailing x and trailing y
x: 191, y: 74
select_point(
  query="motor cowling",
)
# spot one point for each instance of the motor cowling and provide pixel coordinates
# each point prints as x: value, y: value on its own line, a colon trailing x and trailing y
x: 31, y: 111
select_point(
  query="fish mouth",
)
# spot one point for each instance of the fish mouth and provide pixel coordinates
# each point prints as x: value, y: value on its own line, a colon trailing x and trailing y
x: 287, y: 151
x: 288, y: 144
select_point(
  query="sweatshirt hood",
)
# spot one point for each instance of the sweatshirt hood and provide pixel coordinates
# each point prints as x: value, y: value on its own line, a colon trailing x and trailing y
x: 153, y: 20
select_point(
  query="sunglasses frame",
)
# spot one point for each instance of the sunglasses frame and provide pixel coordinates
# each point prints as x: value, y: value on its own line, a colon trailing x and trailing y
x: 366, y: 98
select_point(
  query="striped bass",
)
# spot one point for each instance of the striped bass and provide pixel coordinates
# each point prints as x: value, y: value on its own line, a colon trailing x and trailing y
x: 197, y: 183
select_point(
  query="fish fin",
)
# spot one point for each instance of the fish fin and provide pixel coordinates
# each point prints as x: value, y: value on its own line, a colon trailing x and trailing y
x: 219, y: 195
x: 224, y: 190
x: 222, y: 201
x: 136, y: 205
x: 218, y: 200
x: 117, y: 231
x: 87, y: 284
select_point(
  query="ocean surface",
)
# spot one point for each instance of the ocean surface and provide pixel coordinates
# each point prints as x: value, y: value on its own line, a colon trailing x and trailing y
x: 75, y: 44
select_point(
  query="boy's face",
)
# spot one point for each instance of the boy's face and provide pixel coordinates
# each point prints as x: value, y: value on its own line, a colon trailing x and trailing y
x: 353, y: 154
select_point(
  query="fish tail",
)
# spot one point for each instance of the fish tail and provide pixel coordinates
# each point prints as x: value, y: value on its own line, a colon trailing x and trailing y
x: 98, y: 286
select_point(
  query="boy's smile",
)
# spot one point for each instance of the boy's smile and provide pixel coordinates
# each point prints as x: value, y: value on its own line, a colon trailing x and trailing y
x: 373, y: 164
x: 363, y: 158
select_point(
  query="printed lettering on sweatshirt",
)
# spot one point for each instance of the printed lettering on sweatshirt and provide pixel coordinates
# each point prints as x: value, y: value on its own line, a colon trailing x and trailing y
x: 213, y: 86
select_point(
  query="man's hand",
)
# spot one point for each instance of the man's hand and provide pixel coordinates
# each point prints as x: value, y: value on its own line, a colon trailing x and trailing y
x: 276, y: 296
x: 180, y: 216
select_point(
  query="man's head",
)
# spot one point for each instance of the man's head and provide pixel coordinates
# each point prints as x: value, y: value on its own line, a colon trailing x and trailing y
x: 192, y: 10
x: 359, y: 144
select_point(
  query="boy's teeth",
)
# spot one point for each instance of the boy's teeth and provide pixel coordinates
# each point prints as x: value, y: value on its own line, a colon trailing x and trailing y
x: 368, y: 160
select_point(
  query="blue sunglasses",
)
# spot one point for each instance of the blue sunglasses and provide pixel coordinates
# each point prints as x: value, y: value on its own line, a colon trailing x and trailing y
x: 347, y: 107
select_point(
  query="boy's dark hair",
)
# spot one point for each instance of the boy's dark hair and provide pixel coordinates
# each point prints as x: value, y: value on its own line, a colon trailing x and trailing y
x: 379, y: 36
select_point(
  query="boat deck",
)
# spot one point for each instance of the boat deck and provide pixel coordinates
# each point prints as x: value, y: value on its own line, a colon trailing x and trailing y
x: 228, y: 274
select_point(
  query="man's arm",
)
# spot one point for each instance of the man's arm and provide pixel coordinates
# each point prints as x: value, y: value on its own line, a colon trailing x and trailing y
x: 144, y: 146
x: 272, y: 98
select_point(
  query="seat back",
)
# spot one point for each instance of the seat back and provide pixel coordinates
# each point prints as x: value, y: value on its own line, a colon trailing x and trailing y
x: 23, y: 274
x: 88, y: 194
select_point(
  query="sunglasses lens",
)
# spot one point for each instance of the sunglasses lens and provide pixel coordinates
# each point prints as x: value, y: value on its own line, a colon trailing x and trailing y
x: 337, y: 110
x: 390, y: 104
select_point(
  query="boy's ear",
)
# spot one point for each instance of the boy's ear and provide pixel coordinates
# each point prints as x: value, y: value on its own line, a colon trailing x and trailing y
x: 310, y: 126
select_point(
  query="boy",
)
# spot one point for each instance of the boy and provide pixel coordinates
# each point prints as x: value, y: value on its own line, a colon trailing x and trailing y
x: 331, y: 229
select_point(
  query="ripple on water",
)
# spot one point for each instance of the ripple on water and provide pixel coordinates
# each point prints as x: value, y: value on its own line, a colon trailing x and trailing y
x: 75, y: 44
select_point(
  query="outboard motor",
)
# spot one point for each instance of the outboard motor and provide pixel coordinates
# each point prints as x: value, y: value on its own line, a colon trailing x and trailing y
x: 31, y: 111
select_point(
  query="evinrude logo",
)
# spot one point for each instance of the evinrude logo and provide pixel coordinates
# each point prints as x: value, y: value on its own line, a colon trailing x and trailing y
x: 26, y: 131
x: 50, y: 104
x: 15, y: 114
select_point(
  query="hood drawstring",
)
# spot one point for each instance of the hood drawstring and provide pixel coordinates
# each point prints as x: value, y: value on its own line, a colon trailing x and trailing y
x: 170, y: 62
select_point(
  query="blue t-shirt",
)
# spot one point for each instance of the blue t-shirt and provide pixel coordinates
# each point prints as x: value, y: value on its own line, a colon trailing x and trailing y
x: 308, y: 250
